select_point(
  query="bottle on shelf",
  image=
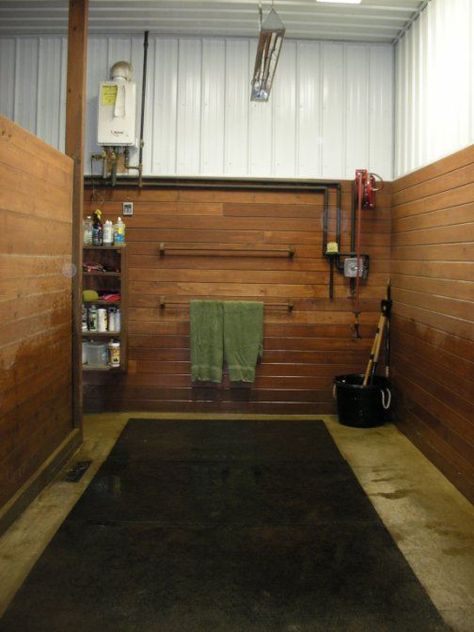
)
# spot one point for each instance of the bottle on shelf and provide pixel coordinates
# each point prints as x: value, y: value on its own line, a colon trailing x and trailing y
x: 108, y: 233
x: 87, y: 225
x: 97, y: 228
x: 119, y: 233
x: 101, y: 319
x: 114, y: 319
x: 84, y: 324
x: 114, y: 353
x: 92, y: 318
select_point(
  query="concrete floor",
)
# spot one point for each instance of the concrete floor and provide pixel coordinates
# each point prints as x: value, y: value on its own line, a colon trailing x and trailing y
x: 432, y: 523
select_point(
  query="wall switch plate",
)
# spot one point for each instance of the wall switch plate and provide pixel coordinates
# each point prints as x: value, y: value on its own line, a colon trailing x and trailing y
x: 127, y: 208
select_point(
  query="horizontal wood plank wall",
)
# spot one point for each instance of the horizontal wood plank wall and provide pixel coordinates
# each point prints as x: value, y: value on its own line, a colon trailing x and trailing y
x: 433, y: 330
x: 303, y: 350
x: 35, y: 304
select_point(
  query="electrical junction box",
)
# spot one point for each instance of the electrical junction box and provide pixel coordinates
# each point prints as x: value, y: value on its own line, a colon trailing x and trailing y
x: 351, y: 268
x: 117, y: 113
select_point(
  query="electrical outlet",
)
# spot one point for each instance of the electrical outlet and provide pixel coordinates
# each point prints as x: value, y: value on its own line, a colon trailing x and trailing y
x: 127, y: 208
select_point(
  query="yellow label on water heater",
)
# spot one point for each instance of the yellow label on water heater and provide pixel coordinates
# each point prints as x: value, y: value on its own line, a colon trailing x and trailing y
x: 108, y: 94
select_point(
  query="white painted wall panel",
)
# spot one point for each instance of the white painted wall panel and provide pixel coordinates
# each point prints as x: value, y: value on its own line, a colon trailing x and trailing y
x: 26, y: 83
x: 471, y: 74
x: 236, y: 107
x: 50, y: 101
x: 61, y: 145
x: 334, y: 101
x: 285, y: 114
x: 330, y: 110
x: 7, y: 76
x: 98, y: 70
x: 189, y: 107
x: 435, y: 85
x: 356, y: 107
x: 161, y: 111
x: 308, y: 119
x: 136, y: 58
x: 381, y: 98
x: 212, y: 107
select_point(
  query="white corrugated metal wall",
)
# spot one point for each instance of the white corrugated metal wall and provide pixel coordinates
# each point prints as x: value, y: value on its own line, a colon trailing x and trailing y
x: 435, y: 85
x: 331, y: 109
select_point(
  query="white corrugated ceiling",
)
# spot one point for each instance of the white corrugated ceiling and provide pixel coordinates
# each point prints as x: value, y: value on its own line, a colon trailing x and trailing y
x: 370, y: 21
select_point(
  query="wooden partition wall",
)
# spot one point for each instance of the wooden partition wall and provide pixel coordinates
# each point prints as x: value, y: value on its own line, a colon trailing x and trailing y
x: 35, y: 305
x: 303, y: 349
x: 433, y: 329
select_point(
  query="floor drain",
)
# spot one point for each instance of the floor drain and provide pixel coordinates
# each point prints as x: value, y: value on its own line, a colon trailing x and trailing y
x: 77, y: 471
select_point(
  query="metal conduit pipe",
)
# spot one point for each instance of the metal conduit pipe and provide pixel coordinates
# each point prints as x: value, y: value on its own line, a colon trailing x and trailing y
x: 224, y: 184
x: 126, y: 151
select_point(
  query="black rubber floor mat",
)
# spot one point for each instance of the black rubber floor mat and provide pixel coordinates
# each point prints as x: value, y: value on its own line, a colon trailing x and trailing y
x: 223, y: 527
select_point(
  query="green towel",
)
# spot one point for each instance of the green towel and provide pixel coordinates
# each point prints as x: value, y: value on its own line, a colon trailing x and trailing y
x: 243, y: 338
x: 207, y: 348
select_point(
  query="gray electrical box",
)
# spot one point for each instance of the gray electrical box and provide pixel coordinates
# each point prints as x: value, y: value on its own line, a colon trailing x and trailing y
x: 351, y: 268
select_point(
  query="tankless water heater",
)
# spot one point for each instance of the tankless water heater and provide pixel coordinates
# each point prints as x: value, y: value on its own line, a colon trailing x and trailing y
x: 117, y: 108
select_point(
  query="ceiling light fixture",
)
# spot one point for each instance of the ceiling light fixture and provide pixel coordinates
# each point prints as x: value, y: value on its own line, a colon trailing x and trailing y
x: 272, y: 31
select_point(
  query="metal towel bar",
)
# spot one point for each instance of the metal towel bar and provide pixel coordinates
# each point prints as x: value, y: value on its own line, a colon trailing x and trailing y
x: 289, y: 305
x: 206, y: 250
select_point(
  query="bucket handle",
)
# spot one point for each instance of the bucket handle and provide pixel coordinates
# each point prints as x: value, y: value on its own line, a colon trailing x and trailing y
x: 386, y: 402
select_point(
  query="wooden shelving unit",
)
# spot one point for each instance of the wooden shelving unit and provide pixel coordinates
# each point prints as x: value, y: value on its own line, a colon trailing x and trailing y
x: 112, y: 280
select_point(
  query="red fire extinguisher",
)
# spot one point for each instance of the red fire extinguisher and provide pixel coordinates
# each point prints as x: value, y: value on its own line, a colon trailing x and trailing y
x: 370, y: 183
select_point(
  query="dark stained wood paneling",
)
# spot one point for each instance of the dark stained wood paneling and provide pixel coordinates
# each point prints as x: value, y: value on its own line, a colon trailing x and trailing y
x: 433, y: 330
x: 304, y: 349
x: 35, y: 304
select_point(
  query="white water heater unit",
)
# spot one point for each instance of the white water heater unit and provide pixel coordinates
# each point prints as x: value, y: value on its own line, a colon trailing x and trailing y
x: 117, y: 108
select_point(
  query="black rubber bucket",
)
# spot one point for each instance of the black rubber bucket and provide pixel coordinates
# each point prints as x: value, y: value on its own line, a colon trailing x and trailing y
x: 362, y: 406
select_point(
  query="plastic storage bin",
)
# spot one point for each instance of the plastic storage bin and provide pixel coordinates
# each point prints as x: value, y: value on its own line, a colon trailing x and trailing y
x: 362, y: 406
x: 96, y: 353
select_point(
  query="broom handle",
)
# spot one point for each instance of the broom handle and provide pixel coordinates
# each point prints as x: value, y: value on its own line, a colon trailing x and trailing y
x: 378, y: 336
x: 378, y: 347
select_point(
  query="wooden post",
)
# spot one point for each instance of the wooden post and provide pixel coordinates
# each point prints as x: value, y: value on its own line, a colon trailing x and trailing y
x: 75, y: 125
